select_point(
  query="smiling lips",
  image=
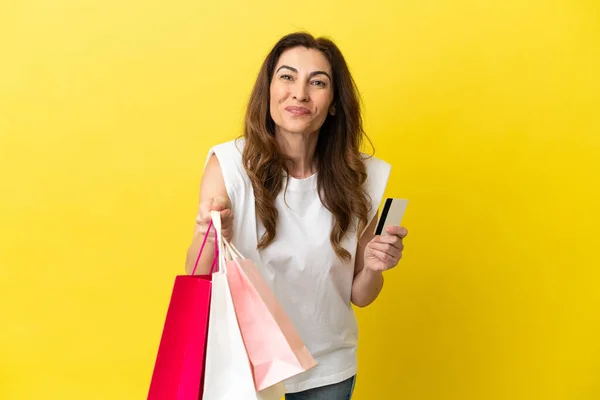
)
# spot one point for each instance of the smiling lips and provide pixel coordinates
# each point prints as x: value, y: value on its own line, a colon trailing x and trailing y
x: 298, y: 110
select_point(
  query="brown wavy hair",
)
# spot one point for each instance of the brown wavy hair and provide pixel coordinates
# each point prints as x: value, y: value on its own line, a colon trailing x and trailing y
x: 340, y: 166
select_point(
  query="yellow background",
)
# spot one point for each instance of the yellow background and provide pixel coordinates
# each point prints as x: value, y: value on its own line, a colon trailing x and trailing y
x: 488, y: 111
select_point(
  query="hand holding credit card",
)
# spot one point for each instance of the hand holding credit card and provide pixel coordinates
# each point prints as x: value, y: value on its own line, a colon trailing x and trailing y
x: 391, y: 214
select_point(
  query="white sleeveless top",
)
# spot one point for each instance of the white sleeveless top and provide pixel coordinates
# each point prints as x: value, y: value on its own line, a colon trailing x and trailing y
x: 312, y: 284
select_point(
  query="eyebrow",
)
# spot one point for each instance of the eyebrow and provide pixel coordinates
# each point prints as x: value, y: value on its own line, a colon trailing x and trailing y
x: 310, y: 75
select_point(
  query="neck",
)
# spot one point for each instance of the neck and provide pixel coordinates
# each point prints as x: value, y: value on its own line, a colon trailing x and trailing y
x: 300, y: 148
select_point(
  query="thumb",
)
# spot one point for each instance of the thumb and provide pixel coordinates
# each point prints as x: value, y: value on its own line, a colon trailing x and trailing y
x: 220, y: 203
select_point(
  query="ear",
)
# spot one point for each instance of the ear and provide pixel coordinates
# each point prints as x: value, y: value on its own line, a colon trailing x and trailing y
x: 332, y: 109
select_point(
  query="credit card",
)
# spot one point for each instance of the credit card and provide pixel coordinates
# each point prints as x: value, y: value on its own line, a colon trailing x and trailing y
x: 391, y: 214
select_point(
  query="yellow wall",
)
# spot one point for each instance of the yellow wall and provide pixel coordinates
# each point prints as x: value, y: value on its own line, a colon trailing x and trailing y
x: 488, y: 111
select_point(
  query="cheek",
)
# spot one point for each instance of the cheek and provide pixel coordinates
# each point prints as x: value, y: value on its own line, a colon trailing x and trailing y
x: 277, y: 93
x: 275, y: 98
x: 324, y: 101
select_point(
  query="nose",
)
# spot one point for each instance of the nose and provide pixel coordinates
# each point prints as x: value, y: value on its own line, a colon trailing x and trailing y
x: 300, y: 92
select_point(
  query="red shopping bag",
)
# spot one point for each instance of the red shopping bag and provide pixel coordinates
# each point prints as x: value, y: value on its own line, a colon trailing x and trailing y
x: 179, y: 368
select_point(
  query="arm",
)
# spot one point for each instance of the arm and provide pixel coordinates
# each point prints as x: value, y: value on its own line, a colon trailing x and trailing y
x: 213, y: 196
x: 367, y: 283
x: 374, y: 255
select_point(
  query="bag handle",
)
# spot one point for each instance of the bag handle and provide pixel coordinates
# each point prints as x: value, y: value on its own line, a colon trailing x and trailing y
x: 216, y: 257
x: 216, y: 220
x: 233, y: 251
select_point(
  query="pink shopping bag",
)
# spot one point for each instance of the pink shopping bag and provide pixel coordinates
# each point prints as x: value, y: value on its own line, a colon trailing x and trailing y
x: 274, y: 346
x: 228, y: 372
x: 179, y: 368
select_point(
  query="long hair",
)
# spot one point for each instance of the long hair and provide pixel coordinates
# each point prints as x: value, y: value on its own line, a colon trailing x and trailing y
x: 340, y: 166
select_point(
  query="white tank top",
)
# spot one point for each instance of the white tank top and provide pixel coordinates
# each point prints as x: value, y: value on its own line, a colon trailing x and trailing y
x: 312, y: 284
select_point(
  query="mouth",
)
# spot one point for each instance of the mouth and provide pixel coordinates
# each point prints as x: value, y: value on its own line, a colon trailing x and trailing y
x: 297, y: 110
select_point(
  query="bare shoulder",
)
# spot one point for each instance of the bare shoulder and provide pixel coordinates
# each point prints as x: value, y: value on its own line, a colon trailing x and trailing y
x: 212, y: 165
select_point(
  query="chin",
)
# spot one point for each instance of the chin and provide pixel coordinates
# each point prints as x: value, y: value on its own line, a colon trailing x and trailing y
x: 297, y: 128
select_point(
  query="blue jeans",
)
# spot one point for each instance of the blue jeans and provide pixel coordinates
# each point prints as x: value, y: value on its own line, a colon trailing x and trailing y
x: 337, y: 391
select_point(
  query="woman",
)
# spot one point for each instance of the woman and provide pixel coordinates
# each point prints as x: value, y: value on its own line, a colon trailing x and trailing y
x: 305, y: 204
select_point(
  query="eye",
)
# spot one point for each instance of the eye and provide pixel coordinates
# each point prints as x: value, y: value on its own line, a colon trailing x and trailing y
x: 319, y: 83
x: 286, y: 77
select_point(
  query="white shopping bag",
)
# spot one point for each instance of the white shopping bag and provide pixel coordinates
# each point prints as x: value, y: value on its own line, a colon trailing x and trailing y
x: 228, y: 374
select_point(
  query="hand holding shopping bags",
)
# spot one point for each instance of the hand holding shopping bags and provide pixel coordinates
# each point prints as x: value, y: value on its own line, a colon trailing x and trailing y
x: 226, y: 337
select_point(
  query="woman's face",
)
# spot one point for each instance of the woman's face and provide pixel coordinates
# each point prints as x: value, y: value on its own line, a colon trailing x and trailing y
x: 301, y: 91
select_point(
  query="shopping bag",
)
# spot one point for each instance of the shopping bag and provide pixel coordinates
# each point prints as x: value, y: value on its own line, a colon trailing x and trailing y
x: 179, y: 365
x: 228, y: 374
x: 275, y: 348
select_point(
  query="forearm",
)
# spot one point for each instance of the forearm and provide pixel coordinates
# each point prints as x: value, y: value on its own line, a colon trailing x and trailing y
x: 366, y: 287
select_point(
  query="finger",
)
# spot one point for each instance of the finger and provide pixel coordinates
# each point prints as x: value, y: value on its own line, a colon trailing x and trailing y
x: 227, y: 233
x: 226, y: 223
x: 388, y: 260
x: 218, y: 203
x: 392, y: 240
x: 388, y: 239
x: 388, y: 249
x: 399, y: 231
x: 226, y: 216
